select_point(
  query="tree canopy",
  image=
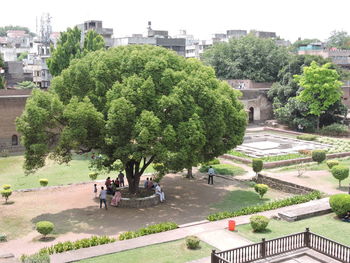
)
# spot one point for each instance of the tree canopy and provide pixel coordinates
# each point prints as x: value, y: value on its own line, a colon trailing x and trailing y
x: 69, y: 47
x: 339, y: 39
x: 321, y: 88
x: 248, y: 57
x: 4, y: 29
x: 135, y: 105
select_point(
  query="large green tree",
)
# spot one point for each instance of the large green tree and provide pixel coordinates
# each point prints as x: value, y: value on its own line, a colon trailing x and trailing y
x: 69, y: 47
x: 339, y: 39
x: 247, y: 58
x: 135, y: 105
x: 321, y: 88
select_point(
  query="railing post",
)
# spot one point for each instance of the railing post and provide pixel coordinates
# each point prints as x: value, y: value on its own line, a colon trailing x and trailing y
x: 307, y: 237
x: 213, y: 257
x: 263, y: 248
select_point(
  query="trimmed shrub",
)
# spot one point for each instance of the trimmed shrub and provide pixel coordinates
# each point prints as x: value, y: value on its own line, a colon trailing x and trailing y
x: 44, y: 227
x: 259, y: 223
x: 192, y: 242
x: 307, y: 137
x: 335, y: 129
x: 261, y: 189
x: 298, y: 199
x: 3, y: 237
x: 213, y: 162
x: 340, y: 173
x: 6, y: 194
x: 36, y: 258
x: 157, y: 228
x: 318, y: 156
x: 257, y: 165
x: 93, y: 176
x: 43, y: 181
x: 340, y: 204
x: 332, y: 163
x: 6, y: 186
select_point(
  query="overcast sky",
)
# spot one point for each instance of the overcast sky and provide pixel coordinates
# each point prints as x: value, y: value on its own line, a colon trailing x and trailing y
x: 290, y: 19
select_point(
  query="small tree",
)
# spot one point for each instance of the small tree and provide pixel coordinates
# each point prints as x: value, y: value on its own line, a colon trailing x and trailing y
x: 332, y: 163
x: 261, y: 189
x: 257, y: 165
x: 6, y: 194
x: 93, y: 175
x: 259, y: 223
x: 340, y: 204
x: 45, y: 227
x: 318, y: 156
x: 340, y: 173
x: 43, y: 181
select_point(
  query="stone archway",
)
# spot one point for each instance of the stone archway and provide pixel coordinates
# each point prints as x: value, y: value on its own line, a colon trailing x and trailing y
x: 251, y: 114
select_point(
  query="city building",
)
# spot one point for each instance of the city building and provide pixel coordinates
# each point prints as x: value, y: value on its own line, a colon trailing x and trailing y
x: 263, y: 34
x: 97, y: 26
x: 156, y: 38
x: 236, y: 33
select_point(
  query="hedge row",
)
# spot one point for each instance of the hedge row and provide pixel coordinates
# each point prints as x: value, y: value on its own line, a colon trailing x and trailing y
x: 298, y: 199
x: 82, y: 243
x: 148, y: 230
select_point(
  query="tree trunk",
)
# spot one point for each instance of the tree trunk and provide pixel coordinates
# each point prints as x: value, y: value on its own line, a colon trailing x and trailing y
x: 189, y: 174
x: 318, y: 123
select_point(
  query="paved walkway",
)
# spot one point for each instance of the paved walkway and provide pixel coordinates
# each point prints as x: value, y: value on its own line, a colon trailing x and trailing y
x: 214, y: 233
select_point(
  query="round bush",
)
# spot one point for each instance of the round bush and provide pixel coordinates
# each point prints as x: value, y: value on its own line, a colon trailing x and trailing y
x: 3, y: 237
x: 44, y: 227
x: 257, y: 165
x: 192, y: 242
x: 261, y: 189
x: 259, y: 223
x: 43, y: 181
x: 6, y: 194
x: 340, y: 173
x: 332, y: 163
x: 340, y: 204
x: 318, y: 156
x: 93, y: 176
x: 6, y: 186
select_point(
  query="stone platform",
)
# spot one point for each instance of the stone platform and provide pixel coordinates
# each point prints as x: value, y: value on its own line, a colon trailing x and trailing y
x: 309, y: 209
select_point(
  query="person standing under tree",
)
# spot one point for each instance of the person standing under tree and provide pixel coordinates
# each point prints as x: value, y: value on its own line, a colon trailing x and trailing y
x: 121, y: 179
x: 103, y: 196
x: 211, y: 174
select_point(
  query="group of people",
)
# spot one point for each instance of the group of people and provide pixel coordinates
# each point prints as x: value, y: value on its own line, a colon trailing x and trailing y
x: 150, y: 184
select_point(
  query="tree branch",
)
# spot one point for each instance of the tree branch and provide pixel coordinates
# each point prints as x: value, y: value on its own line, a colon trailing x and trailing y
x: 145, y: 165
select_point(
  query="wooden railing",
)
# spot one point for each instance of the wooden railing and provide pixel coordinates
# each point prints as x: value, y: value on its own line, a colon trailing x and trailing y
x: 282, y: 245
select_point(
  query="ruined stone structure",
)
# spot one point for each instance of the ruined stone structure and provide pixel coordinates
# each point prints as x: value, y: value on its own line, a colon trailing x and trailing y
x: 12, y: 104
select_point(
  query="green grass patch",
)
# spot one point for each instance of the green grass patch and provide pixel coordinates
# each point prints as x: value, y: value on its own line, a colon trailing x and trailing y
x: 283, y: 157
x: 239, y: 154
x: 224, y: 169
x: 327, y: 225
x: 11, y: 172
x: 174, y: 252
x: 238, y: 199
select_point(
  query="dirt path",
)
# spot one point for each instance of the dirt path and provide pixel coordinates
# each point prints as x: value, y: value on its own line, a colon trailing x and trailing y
x: 76, y: 213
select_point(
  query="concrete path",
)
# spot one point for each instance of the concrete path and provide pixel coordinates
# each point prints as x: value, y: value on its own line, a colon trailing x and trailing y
x: 205, y: 230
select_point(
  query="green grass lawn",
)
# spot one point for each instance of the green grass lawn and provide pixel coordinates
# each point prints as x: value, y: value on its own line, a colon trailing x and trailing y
x: 327, y: 225
x: 224, y: 169
x: 171, y: 252
x: 237, y: 199
x: 77, y: 170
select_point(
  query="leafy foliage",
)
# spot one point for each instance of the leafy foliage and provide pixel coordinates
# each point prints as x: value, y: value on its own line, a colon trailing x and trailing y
x: 259, y: 223
x: 44, y: 227
x: 223, y: 169
x: 135, y: 105
x: 6, y: 186
x: 340, y: 173
x: 4, y: 29
x: 192, y: 242
x: 307, y: 137
x: 26, y: 85
x: 331, y: 163
x: 93, y: 175
x: 298, y: 199
x: 43, y: 181
x: 36, y: 258
x: 257, y: 165
x: 261, y: 189
x: 6, y: 194
x: 22, y: 56
x: 318, y: 156
x: 69, y: 47
x: 152, y: 229
x: 340, y: 204
x: 335, y: 129
x: 248, y: 57
x: 339, y: 39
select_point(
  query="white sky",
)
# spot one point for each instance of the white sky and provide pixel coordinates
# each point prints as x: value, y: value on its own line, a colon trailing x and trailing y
x: 290, y: 19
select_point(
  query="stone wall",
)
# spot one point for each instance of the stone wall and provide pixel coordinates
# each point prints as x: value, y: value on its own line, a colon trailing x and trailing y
x: 149, y: 201
x: 283, y: 185
x: 12, y: 104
